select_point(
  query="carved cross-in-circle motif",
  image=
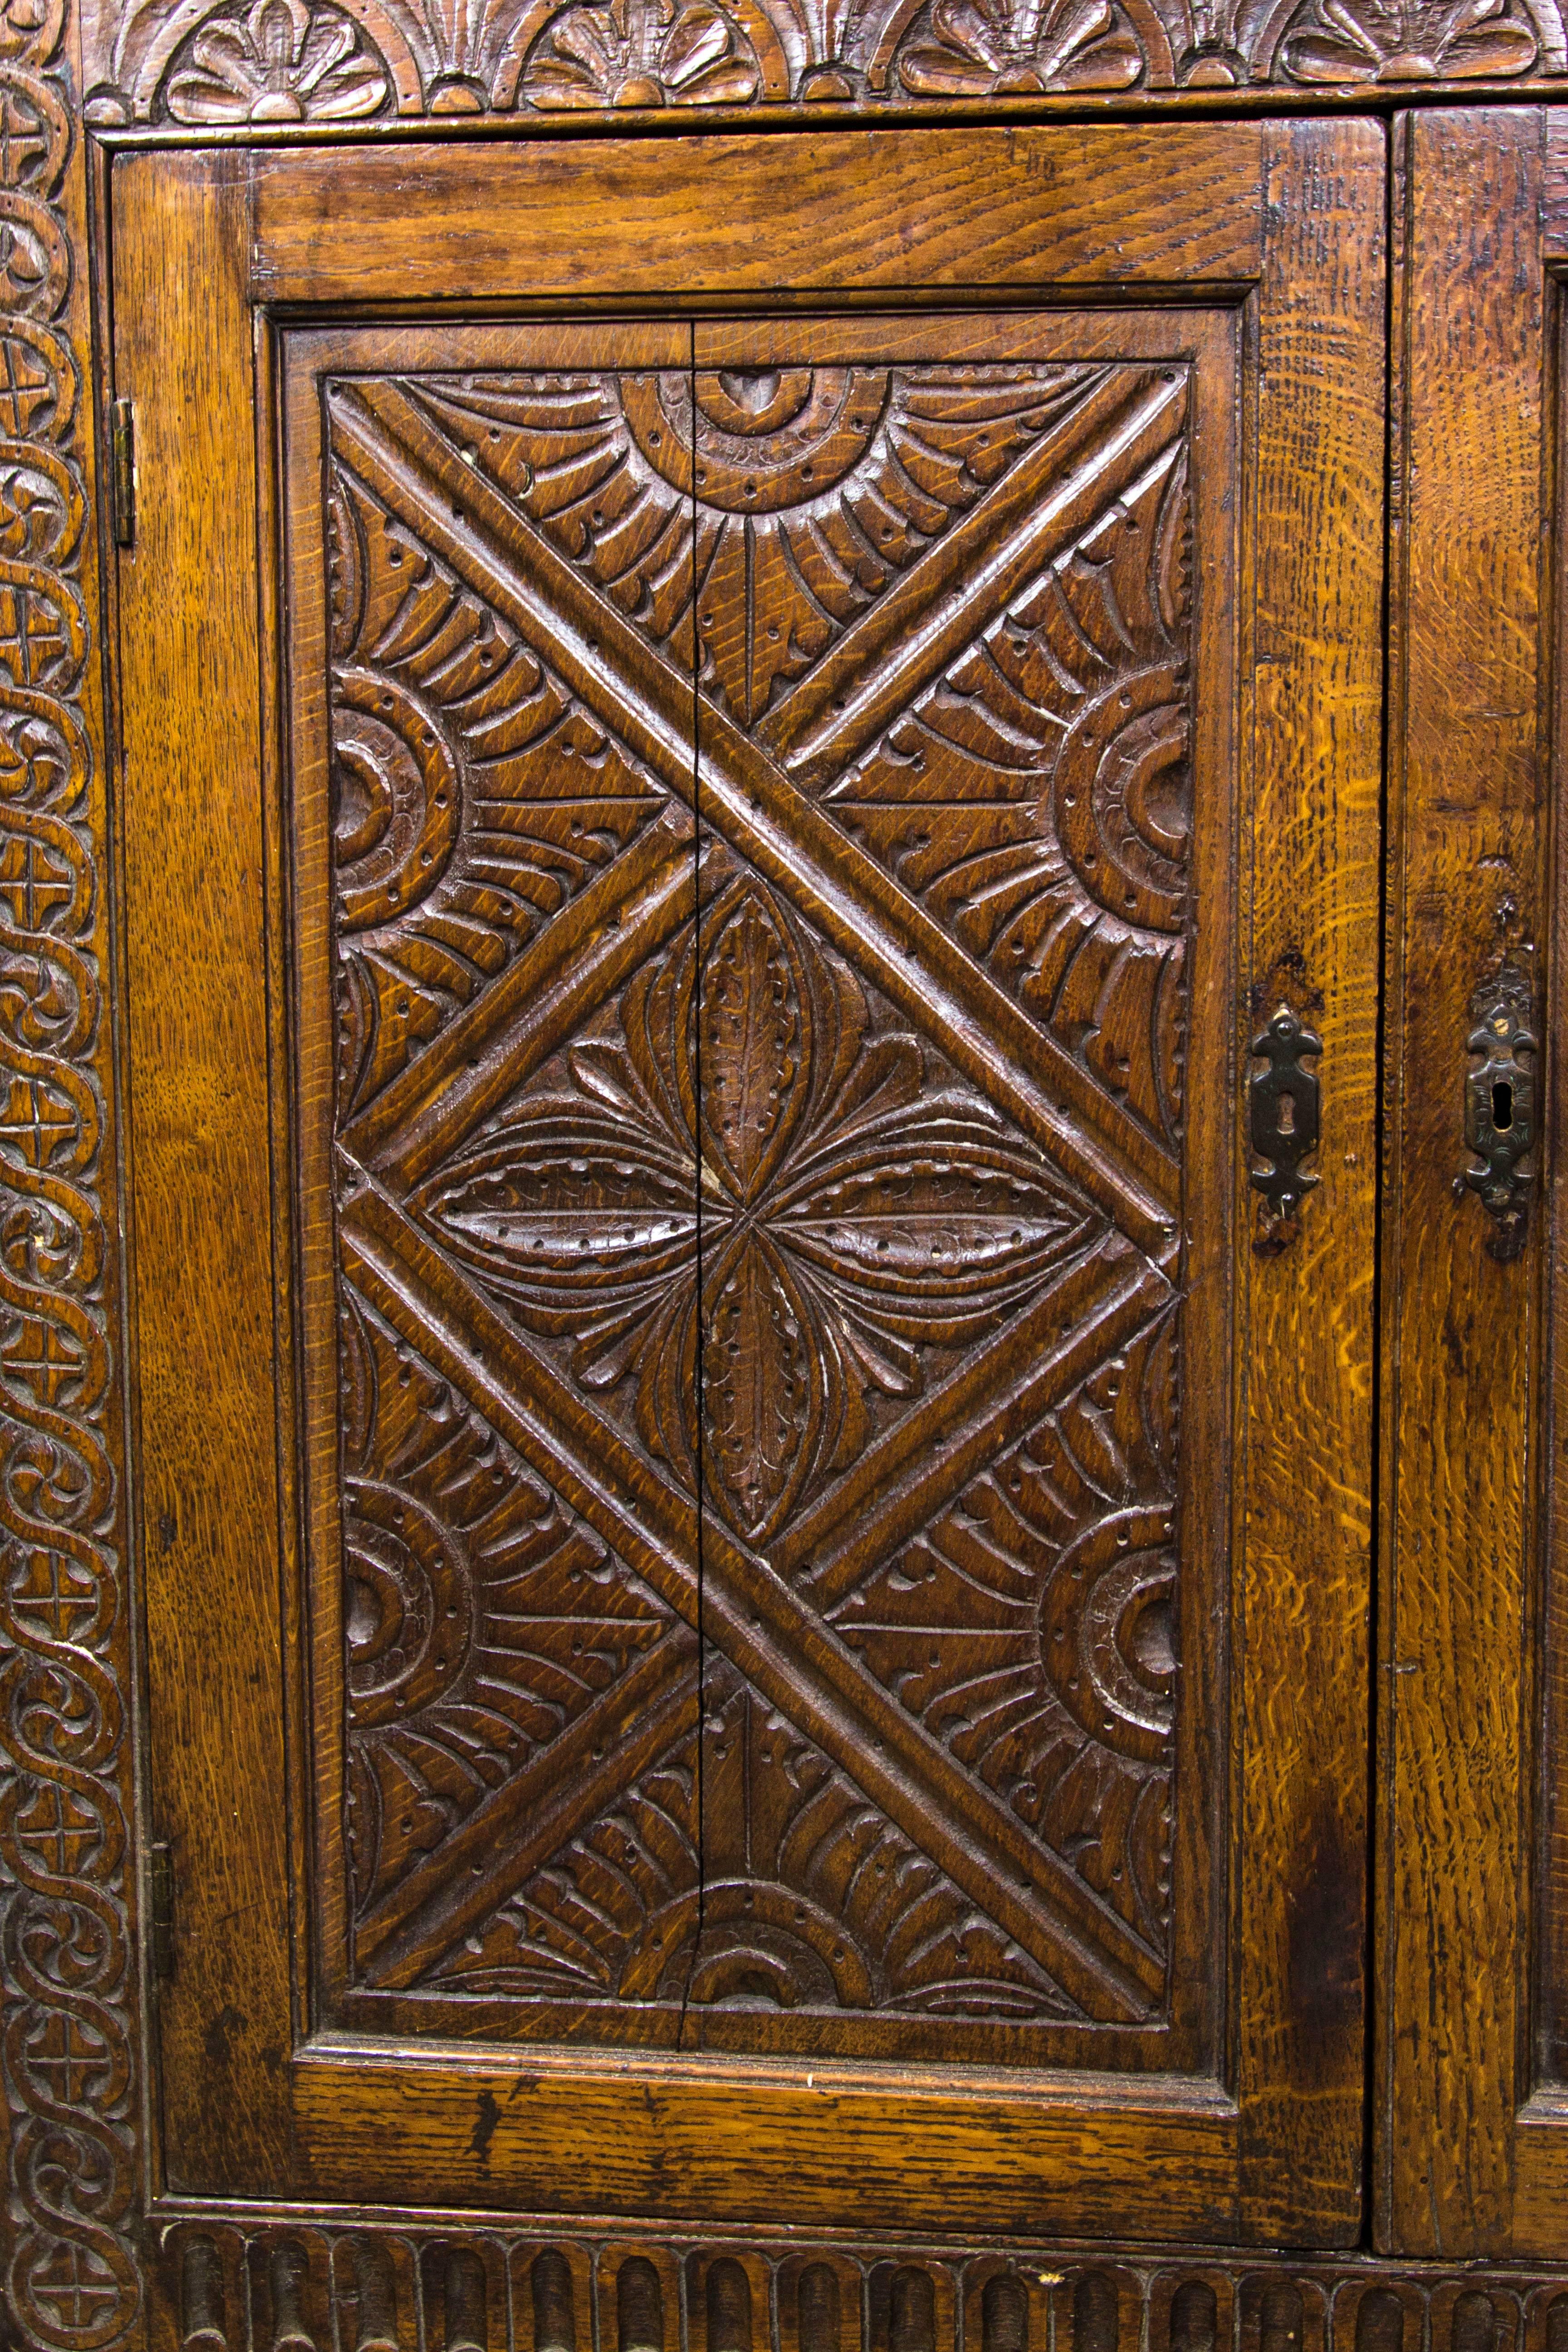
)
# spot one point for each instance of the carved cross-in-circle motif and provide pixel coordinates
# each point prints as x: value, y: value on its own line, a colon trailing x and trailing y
x: 399, y: 796
x: 409, y: 1603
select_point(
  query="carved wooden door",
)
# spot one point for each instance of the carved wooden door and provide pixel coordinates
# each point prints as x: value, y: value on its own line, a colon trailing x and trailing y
x: 755, y: 1536
x: 1474, y: 1935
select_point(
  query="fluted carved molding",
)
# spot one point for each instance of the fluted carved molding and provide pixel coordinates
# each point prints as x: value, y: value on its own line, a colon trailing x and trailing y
x: 225, y: 2289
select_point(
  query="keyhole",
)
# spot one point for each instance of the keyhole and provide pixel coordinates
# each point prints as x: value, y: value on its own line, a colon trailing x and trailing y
x: 1287, y: 1119
x: 1502, y: 1105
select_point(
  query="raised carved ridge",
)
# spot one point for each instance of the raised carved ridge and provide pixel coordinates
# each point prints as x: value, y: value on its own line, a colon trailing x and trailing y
x: 475, y: 796
x: 483, y: 1620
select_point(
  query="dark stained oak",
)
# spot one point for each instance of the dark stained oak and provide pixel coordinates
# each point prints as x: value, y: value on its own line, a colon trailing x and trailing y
x: 831, y: 1299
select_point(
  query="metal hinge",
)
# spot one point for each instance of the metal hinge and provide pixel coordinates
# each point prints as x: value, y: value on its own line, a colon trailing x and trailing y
x: 160, y: 1911
x: 123, y: 457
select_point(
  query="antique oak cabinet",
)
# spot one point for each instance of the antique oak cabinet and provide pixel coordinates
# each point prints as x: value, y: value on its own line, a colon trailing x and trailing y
x: 783, y: 1352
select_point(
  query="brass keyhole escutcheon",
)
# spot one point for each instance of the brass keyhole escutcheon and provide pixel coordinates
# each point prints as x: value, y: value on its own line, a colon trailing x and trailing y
x: 1500, y: 1105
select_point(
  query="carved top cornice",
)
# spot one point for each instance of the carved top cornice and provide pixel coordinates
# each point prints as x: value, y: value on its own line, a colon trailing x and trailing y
x: 228, y: 65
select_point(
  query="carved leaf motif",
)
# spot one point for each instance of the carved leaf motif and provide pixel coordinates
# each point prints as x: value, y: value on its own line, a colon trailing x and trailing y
x: 860, y: 1208
x: 577, y: 1208
x: 279, y: 61
x: 753, y: 1002
x: 763, y: 1407
x: 972, y: 48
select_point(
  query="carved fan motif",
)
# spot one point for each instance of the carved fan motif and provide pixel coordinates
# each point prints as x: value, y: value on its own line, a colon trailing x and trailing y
x: 788, y: 500
x: 473, y: 794
x: 1038, y: 797
x: 277, y: 61
x: 1039, y: 1607
x: 642, y: 53
x: 482, y: 1619
x: 811, y: 1899
x: 1408, y: 40
x: 972, y: 48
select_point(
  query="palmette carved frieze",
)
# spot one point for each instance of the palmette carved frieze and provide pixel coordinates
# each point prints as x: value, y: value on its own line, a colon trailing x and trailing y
x: 353, y: 60
x: 662, y: 1176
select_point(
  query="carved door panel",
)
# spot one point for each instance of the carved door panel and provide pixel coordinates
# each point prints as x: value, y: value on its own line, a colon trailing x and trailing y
x: 720, y: 1406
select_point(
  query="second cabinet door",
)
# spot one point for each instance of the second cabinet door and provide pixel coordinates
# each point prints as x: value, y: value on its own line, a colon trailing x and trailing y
x: 1473, y: 1911
x: 794, y: 1524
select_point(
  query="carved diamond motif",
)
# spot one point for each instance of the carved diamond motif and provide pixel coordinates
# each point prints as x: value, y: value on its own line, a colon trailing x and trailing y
x: 757, y: 1235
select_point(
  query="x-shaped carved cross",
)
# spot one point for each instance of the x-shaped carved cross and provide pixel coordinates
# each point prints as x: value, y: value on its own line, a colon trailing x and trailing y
x: 753, y: 791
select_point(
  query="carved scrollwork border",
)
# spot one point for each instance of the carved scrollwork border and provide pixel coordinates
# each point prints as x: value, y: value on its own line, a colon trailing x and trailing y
x: 68, y: 2038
